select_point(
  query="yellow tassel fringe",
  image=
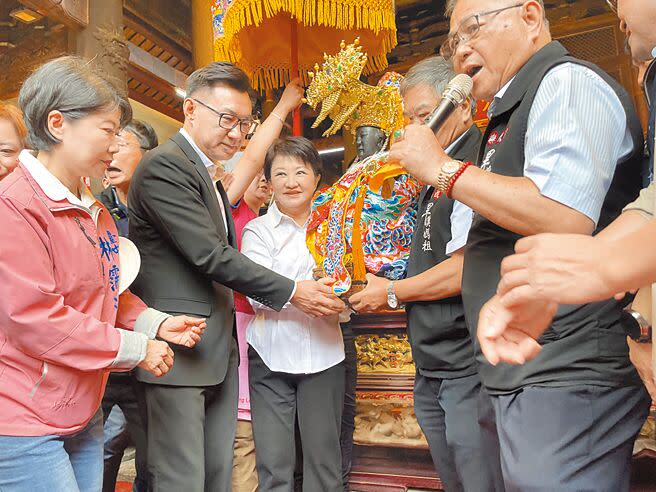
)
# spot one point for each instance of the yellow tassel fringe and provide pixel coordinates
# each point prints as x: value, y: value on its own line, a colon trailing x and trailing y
x: 373, y: 15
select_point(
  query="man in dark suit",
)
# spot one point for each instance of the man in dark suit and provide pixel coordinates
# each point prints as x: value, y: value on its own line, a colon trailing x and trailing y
x: 190, y: 264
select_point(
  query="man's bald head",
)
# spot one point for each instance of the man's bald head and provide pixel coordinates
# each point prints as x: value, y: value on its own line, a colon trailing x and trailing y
x: 637, y: 20
x: 491, y: 40
x: 451, y: 4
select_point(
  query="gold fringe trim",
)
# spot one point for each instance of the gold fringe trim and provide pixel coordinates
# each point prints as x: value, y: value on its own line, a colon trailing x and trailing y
x: 373, y: 15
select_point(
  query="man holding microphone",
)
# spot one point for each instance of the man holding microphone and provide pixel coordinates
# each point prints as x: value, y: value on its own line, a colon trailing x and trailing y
x: 551, y: 161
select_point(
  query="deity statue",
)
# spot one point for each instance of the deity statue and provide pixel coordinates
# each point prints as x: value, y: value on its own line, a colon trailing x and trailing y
x: 369, y: 140
x: 365, y: 221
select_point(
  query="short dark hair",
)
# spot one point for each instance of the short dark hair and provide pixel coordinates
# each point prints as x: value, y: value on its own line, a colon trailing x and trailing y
x: 297, y: 147
x: 220, y: 74
x: 75, y: 87
x: 144, y: 133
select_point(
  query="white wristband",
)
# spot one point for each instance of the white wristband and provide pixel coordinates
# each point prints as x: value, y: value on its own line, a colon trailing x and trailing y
x: 276, y: 115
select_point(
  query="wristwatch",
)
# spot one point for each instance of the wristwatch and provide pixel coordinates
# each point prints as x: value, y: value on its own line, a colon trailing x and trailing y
x: 447, y: 171
x: 392, y: 301
x: 643, y: 335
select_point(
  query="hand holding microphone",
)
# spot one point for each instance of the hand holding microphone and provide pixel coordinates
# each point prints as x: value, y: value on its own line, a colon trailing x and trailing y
x: 416, y: 147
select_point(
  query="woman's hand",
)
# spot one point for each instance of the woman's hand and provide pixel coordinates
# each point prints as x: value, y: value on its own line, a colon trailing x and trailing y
x: 159, y: 358
x: 182, y: 330
x: 291, y: 97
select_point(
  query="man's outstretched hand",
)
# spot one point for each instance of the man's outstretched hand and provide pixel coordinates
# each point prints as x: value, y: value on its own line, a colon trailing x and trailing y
x: 316, y: 298
x: 508, y: 332
x: 182, y: 330
x: 373, y: 297
x: 564, y: 268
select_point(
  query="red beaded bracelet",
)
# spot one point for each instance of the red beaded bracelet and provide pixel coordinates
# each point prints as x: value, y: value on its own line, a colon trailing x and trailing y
x: 455, y: 177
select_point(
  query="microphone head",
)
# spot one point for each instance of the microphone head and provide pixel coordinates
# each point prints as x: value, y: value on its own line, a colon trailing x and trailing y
x: 459, y: 89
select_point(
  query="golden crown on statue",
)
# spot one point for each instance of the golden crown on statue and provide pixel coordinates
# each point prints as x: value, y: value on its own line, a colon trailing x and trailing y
x: 347, y: 101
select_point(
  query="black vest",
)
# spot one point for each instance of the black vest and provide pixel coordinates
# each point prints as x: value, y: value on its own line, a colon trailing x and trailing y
x: 586, y: 343
x: 441, y: 346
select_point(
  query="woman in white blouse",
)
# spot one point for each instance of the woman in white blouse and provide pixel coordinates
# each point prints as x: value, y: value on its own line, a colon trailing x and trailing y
x: 295, y: 361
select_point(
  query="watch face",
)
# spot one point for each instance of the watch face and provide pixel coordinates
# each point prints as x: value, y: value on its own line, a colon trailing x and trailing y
x: 392, y: 302
x: 450, y: 167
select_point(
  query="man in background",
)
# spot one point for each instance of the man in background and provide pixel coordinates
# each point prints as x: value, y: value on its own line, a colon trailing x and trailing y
x: 123, y: 423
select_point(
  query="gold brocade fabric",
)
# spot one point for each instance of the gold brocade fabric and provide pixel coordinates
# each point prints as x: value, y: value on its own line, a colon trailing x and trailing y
x: 256, y: 34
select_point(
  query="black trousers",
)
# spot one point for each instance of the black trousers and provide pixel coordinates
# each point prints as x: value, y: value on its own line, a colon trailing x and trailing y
x: 348, y: 413
x: 577, y: 438
x: 121, y: 392
x: 191, y: 433
x: 448, y: 413
x: 277, y: 400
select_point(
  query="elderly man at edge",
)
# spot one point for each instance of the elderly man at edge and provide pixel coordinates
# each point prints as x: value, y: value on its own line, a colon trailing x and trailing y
x: 562, y: 153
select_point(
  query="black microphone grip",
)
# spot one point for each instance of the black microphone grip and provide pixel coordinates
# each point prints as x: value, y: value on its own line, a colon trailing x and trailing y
x: 445, y: 109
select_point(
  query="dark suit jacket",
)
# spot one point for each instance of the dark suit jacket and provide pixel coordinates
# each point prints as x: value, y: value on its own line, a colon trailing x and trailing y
x: 189, y: 262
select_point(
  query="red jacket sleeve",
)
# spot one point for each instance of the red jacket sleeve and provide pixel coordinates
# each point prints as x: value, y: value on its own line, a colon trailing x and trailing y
x: 33, y: 316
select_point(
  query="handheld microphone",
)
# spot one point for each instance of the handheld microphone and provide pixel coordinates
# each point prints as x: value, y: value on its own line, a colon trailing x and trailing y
x: 456, y: 92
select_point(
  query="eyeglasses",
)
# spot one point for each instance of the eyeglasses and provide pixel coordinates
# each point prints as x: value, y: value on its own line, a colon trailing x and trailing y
x: 229, y: 121
x: 612, y: 4
x: 418, y: 120
x: 123, y: 143
x: 467, y: 30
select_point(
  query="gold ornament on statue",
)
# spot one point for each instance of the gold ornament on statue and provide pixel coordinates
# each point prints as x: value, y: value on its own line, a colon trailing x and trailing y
x: 348, y: 102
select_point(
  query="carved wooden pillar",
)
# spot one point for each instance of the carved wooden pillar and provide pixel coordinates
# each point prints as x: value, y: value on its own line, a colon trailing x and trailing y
x: 201, y: 33
x: 102, y: 39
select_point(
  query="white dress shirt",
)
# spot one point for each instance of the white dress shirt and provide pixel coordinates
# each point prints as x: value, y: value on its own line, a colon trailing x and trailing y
x: 572, y: 144
x: 288, y: 341
x: 461, y: 216
x: 210, y: 166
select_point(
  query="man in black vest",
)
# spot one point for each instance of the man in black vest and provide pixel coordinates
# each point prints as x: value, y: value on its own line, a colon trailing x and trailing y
x: 616, y: 260
x: 447, y: 384
x: 562, y: 153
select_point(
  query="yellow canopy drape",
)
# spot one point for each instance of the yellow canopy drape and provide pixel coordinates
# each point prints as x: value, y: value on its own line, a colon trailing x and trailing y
x: 256, y: 34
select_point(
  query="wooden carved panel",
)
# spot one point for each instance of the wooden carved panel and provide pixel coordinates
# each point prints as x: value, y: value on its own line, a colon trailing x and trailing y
x: 384, y: 402
x: 385, y: 353
x: 387, y: 419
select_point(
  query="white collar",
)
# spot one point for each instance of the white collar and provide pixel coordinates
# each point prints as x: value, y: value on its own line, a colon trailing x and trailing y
x: 51, y: 186
x: 455, y: 142
x: 498, y: 96
x: 277, y: 216
x: 504, y: 89
x: 206, y: 160
x: 653, y: 52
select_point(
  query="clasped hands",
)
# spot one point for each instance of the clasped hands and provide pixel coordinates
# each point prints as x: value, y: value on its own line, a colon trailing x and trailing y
x: 316, y: 298
x: 180, y: 330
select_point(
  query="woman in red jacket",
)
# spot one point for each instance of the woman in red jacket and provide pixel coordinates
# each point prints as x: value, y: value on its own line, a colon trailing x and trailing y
x: 66, y: 319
